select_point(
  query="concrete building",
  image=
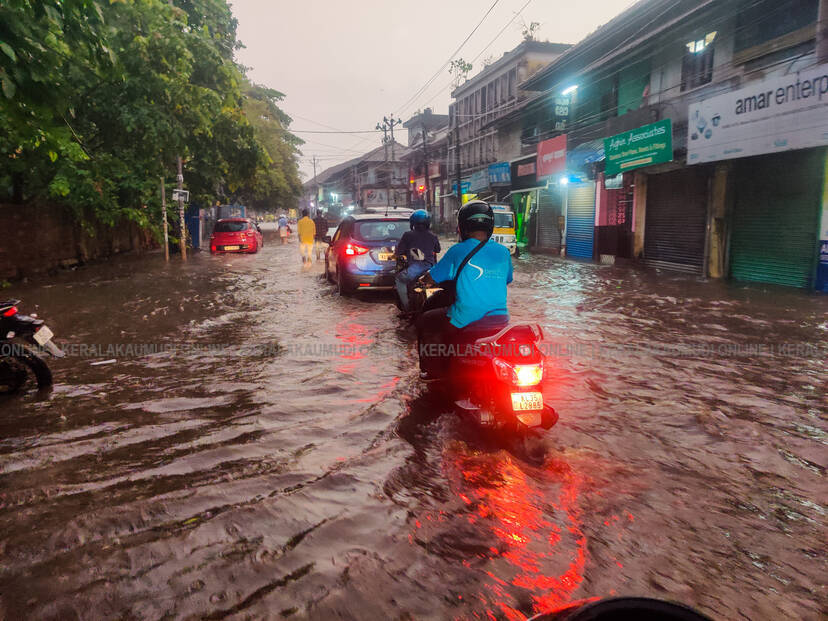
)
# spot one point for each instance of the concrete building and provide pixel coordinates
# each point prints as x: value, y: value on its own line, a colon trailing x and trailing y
x: 490, y: 94
x: 696, y: 140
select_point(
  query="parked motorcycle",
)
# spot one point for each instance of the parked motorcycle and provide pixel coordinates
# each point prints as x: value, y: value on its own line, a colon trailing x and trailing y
x: 494, y: 377
x: 22, y: 339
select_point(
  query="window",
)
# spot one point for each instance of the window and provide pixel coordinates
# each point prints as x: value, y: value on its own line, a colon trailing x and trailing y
x: 759, y: 22
x: 381, y: 230
x: 512, y: 83
x: 697, y: 66
x: 232, y: 226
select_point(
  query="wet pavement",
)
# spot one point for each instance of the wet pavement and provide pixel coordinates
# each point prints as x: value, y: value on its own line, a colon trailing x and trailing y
x: 269, y: 453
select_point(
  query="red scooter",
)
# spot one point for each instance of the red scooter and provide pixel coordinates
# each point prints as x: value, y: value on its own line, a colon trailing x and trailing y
x: 493, y: 376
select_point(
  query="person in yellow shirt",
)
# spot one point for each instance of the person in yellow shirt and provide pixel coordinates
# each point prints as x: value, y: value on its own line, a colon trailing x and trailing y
x: 307, y: 232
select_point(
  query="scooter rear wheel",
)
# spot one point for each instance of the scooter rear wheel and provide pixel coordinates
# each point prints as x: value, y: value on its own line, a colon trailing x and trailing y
x: 38, y: 365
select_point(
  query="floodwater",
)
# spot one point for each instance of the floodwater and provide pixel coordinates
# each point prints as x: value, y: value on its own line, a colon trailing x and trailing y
x: 270, y: 454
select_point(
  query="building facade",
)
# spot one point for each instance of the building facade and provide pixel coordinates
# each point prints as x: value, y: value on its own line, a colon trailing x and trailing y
x: 695, y: 140
x: 478, y: 103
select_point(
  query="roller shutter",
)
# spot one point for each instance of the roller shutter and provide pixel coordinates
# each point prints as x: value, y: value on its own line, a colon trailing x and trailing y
x: 776, y: 218
x: 676, y: 219
x: 549, y: 209
x: 580, y: 220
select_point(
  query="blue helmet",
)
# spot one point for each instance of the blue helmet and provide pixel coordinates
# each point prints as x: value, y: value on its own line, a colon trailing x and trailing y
x: 420, y: 218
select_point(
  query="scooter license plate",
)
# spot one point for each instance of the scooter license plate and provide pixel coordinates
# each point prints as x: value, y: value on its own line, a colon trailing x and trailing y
x: 43, y: 335
x: 527, y: 401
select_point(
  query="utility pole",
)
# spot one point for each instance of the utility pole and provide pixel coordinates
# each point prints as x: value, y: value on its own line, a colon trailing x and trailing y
x: 183, y: 240
x: 425, y: 167
x: 164, y: 220
x: 316, y: 195
x: 384, y: 128
x: 457, y: 158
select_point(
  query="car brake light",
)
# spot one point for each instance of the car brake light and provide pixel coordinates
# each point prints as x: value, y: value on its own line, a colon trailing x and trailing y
x: 10, y: 312
x: 353, y: 249
x: 213, y: 248
x: 519, y: 375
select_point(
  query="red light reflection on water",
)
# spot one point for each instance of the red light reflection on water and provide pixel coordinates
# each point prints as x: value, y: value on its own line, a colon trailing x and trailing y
x: 540, y: 547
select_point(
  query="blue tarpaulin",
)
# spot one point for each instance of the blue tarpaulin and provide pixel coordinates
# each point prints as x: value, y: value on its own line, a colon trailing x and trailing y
x: 585, y: 154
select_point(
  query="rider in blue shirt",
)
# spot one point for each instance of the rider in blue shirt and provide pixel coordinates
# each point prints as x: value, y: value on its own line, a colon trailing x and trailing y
x: 480, y: 302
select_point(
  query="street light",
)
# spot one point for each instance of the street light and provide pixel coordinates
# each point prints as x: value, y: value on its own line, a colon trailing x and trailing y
x: 570, y: 89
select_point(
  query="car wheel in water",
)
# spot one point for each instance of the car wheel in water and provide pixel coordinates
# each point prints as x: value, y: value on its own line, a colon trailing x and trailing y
x: 341, y: 288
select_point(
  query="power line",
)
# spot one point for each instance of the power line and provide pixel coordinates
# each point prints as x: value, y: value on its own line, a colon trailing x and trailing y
x: 488, y: 45
x: 442, y: 68
x: 315, y: 131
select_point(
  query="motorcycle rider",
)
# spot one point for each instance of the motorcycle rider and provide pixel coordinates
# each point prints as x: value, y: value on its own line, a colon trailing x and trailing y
x: 480, y: 307
x: 419, y: 246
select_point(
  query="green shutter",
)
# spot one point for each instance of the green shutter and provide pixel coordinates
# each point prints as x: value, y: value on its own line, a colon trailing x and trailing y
x: 775, y: 218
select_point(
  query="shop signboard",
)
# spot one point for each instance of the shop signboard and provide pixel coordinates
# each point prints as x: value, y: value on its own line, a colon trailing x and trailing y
x: 464, y: 187
x: 551, y: 156
x: 500, y: 174
x: 523, y: 173
x: 433, y: 169
x: 777, y: 114
x: 644, y: 146
x: 479, y: 180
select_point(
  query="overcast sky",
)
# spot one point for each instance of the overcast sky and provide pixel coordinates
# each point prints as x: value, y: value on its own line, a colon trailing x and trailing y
x: 345, y: 64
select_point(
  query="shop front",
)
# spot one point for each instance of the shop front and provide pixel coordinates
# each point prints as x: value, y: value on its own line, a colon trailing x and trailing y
x: 777, y: 168
x: 776, y: 216
x: 551, y: 169
x: 524, y: 199
x: 676, y: 219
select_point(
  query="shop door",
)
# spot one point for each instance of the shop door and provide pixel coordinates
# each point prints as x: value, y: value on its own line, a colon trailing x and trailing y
x: 775, y: 218
x: 676, y: 219
x: 549, y: 210
x: 580, y: 220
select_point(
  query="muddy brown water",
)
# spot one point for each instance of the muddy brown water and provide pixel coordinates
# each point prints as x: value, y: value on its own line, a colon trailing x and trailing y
x: 269, y: 454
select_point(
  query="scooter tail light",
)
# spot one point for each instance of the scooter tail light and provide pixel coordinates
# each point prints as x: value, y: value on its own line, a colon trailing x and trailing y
x: 11, y: 312
x: 519, y: 375
x: 528, y: 374
x: 353, y: 249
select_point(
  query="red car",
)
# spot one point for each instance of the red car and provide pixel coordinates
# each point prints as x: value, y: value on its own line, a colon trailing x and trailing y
x: 236, y: 235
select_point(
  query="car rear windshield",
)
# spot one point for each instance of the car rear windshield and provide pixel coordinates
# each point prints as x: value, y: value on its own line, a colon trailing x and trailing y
x: 230, y: 227
x: 380, y: 230
x: 504, y: 219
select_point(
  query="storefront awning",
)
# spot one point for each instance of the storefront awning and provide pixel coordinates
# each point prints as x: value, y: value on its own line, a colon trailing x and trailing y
x: 537, y: 187
x: 585, y: 154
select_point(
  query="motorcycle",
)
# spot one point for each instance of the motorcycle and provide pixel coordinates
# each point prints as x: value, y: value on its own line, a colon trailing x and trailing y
x: 494, y: 376
x: 22, y: 339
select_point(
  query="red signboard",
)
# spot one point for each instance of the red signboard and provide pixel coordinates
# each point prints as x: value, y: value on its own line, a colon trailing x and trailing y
x: 552, y: 156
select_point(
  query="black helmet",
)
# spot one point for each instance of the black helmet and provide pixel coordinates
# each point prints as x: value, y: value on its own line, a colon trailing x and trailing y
x: 475, y: 216
x: 419, y: 218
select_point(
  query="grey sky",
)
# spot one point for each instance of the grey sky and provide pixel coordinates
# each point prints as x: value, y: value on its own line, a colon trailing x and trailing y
x: 347, y: 64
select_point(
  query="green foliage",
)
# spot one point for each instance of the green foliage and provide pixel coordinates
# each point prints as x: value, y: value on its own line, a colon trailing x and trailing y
x: 99, y: 97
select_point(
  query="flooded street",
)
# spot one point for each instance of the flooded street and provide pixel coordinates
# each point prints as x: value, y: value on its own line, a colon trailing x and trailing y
x: 270, y: 454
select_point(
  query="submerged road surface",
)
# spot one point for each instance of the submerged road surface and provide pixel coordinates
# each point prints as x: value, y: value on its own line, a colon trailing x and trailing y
x: 260, y: 448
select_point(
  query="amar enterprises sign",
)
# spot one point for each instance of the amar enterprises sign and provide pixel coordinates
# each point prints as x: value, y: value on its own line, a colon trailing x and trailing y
x: 777, y: 114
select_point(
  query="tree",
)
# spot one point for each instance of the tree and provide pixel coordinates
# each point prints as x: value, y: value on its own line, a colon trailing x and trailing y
x: 94, y: 115
x: 460, y: 69
x: 529, y: 30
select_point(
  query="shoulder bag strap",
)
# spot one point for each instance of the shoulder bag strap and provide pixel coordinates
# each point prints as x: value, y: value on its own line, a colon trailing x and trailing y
x: 467, y: 259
